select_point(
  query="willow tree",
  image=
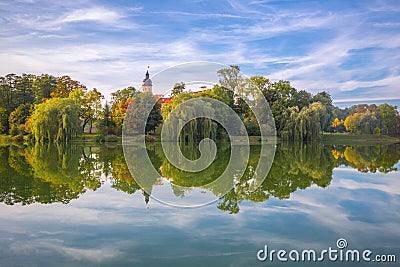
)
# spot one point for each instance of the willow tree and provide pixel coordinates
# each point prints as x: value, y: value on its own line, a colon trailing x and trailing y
x: 305, y: 124
x: 195, y: 129
x: 56, y: 120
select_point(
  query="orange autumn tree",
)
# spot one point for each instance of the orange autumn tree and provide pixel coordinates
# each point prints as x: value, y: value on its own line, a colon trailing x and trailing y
x: 120, y: 102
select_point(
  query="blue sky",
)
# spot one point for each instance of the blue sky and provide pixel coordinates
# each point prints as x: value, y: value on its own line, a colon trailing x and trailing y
x: 349, y: 48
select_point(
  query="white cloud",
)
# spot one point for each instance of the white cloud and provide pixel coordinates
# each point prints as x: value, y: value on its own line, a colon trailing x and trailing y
x: 99, y: 14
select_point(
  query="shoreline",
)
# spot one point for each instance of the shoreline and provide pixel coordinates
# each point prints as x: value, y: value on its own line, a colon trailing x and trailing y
x: 357, y: 139
x: 327, y: 139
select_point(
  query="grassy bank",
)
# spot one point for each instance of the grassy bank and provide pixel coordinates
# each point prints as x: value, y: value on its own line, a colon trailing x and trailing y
x: 97, y: 138
x: 357, y: 139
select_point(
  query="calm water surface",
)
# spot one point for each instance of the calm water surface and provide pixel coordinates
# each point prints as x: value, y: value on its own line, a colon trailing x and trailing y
x: 80, y: 206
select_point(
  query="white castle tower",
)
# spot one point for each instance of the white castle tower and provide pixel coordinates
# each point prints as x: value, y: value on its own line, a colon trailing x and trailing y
x: 147, y: 85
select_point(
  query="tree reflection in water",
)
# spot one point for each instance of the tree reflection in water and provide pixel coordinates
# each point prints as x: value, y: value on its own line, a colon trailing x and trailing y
x: 56, y: 173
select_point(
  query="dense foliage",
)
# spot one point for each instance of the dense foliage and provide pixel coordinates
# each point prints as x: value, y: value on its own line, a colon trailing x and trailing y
x: 298, y: 114
x: 55, y: 120
x: 48, y: 107
x: 373, y: 119
x: 41, y: 105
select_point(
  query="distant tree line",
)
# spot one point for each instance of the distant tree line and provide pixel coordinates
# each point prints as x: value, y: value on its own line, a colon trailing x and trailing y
x: 48, y: 108
x: 368, y: 119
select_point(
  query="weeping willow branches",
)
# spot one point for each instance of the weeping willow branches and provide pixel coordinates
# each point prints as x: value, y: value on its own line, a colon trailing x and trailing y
x: 56, y: 120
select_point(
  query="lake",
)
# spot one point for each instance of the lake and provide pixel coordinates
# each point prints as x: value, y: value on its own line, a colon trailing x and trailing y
x: 80, y: 205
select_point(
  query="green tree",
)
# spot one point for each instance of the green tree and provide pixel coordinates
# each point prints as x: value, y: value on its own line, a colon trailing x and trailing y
x: 302, y: 99
x: 196, y: 129
x: 255, y: 83
x: 281, y: 96
x: 368, y: 122
x: 305, y: 124
x: 43, y: 86
x: 105, y: 123
x: 367, y: 119
x: 394, y: 127
x: 178, y: 88
x: 56, y: 119
x: 65, y: 85
x: 14, y: 91
x: 90, y: 104
x: 154, y: 119
x: 387, y: 114
x: 322, y: 97
x: 139, y: 117
x: 341, y: 114
x: 3, y: 120
x: 121, y: 96
x: 7, y: 92
x: 225, y: 95
x: 294, y: 111
x: 325, y: 99
x: 231, y: 78
x: 24, y: 92
x: 7, y: 97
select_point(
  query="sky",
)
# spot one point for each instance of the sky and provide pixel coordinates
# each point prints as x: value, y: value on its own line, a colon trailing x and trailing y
x: 349, y: 48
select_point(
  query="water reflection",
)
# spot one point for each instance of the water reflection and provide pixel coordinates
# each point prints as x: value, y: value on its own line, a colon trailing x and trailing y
x: 368, y: 158
x: 295, y: 166
x: 51, y: 173
x: 45, y: 174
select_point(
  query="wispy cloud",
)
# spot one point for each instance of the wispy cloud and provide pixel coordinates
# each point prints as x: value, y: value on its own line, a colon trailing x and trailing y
x: 194, y: 15
x: 93, y: 14
x: 108, y: 45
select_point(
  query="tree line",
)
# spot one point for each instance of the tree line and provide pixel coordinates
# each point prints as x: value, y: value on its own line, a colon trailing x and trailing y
x: 298, y: 114
x: 368, y: 119
x: 48, y: 108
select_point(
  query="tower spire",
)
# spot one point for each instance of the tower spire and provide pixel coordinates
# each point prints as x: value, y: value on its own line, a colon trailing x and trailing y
x: 147, y: 85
